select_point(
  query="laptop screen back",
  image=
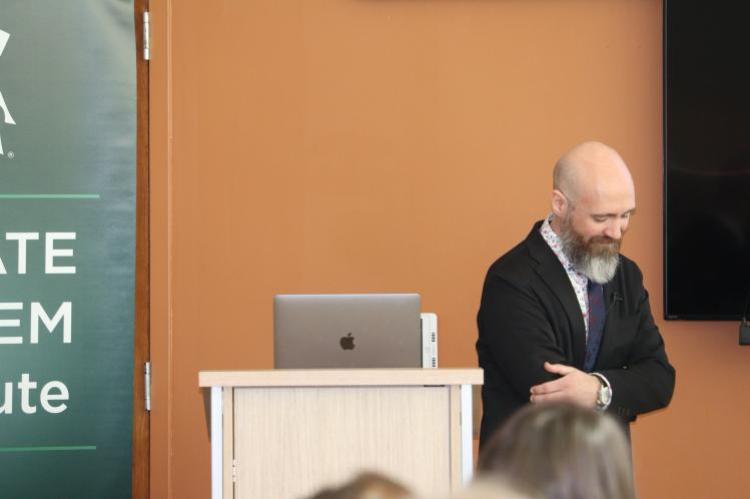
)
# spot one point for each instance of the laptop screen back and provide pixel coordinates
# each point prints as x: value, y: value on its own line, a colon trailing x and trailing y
x: 347, y: 331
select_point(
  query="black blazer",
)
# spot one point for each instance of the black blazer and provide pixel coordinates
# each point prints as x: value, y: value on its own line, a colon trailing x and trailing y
x: 529, y: 314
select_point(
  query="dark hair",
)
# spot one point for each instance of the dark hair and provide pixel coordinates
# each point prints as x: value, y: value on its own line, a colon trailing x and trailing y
x: 366, y: 485
x: 561, y: 451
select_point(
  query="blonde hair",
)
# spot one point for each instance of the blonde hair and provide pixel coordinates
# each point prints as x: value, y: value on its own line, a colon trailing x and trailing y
x: 561, y: 451
x: 367, y: 485
x: 488, y: 488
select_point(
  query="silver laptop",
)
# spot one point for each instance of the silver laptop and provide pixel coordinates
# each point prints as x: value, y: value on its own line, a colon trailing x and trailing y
x: 347, y: 331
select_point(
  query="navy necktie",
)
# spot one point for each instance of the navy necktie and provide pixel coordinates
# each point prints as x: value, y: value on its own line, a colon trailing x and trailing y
x: 597, y: 314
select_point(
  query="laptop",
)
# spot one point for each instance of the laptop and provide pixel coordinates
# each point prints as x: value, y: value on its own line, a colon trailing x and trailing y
x: 347, y: 331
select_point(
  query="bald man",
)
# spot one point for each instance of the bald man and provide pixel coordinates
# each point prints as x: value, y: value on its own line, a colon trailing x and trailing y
x: 564, y: 316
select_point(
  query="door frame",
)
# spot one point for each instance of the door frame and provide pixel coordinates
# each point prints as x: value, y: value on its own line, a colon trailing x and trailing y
x: 141, y: 422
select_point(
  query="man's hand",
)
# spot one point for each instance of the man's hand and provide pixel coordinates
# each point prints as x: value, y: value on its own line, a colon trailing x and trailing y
x: 573, y: 386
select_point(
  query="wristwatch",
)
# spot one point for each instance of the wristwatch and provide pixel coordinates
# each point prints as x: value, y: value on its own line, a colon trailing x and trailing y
x: 604, y: 395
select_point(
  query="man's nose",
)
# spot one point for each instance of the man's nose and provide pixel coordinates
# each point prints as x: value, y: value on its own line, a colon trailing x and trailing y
x: 614, y: 229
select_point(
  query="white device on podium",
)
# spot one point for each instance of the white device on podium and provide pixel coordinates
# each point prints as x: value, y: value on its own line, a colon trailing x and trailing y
x: 429, y: 340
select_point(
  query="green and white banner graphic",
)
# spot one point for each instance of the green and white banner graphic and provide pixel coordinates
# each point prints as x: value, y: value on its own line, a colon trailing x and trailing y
x: 67, y: 247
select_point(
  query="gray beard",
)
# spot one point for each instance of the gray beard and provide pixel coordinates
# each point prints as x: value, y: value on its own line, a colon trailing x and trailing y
x: 600, y: 268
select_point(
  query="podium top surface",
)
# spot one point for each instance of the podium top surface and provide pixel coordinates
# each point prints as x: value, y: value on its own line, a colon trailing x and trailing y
x: 341, y: 377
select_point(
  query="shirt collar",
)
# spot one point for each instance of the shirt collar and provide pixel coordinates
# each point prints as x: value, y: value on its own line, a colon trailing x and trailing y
x: 555, y: 244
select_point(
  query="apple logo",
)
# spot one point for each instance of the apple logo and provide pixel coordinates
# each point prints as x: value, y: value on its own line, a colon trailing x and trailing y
x: 347, y: 342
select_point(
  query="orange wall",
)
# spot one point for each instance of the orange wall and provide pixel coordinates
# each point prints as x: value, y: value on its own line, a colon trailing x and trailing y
x: 384, y: 146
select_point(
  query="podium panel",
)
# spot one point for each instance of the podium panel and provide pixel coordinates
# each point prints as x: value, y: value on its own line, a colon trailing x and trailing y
x: 286, y: 434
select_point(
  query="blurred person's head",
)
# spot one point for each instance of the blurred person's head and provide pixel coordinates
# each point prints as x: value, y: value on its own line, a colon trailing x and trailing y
x: 490, y: 488
x: 366, y: 485
x: 560, y: 451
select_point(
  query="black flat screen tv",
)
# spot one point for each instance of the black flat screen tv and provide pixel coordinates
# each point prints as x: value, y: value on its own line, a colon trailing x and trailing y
x: 706, y: 159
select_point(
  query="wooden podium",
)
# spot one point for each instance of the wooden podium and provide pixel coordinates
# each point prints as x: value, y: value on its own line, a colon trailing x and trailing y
x: 284, y: 434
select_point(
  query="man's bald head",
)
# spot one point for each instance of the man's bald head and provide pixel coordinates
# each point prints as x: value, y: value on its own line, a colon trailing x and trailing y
x: 592, y: 201
x: 588, y: 168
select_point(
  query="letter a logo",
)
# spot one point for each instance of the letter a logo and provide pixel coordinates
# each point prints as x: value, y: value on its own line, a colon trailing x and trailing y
x: 7, y: 118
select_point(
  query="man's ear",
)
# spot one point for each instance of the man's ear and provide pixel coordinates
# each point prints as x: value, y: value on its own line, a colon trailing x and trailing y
x: 559, y: 203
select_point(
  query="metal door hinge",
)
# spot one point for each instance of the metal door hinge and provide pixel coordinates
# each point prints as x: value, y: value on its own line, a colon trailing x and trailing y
x: 146, y: 37
x: 147, y: 384
x: 234, y: 470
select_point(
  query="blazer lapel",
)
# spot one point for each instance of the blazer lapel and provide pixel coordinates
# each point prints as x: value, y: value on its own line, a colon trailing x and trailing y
x: 610, y: 302
x: 553, y: 274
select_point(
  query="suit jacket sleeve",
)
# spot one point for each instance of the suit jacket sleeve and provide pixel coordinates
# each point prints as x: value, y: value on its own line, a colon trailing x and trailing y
x: 646, y: 381
x: 515, y: 335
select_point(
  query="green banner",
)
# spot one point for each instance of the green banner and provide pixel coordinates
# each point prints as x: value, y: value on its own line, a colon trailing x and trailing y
x: 67, y: 247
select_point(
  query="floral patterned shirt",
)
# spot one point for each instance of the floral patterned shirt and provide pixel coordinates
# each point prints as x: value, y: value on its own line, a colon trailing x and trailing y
x: 578, y: 280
